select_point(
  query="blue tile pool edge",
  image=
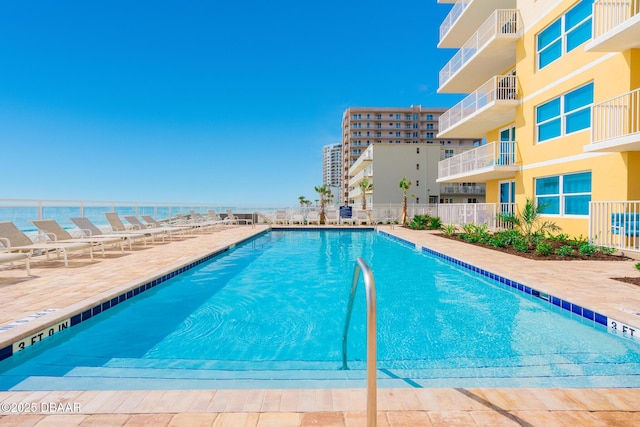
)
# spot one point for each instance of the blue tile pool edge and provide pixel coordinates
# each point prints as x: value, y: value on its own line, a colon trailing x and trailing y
x: 87, y: 313
x: 613, y: 326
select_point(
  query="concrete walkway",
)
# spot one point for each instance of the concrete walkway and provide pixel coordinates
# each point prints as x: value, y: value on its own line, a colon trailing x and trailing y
x: 55, y: 293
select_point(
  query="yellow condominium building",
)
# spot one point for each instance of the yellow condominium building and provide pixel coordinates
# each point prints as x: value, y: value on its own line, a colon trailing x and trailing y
x: 554, y: 88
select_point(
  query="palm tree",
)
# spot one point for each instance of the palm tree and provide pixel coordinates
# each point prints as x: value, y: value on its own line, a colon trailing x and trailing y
x: 529, y: 221
x: 365, y: 186
x: 404, y: 186
x: 302, y: 200
x: 325, y: 196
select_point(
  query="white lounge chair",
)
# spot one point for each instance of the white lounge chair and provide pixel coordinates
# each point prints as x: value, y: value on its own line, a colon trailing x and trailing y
x: 15, y: 240
x: 157, y: 224
x: 281, y: 217
x: 313, y: 217
x: 237, y: 220
x: 139, y: 225
x: 331, y: 217
x: 56, y: 233
x: 118, y: 226
x: 362, y: 217
x: 10, y: 258
x: 88, y: 228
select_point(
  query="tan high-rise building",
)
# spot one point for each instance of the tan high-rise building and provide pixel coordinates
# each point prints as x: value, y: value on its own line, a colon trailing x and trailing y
x: 393, y: 126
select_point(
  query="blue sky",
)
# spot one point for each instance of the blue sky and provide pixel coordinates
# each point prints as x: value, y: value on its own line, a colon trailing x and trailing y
x: 211, y: 101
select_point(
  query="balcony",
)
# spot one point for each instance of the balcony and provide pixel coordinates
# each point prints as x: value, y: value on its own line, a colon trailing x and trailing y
x: 355, y: 179
x: 490, y: 106
x: 459, y: 188
x: 616, y: 26
x: 495, y: 160
x: 491, y: 50
x: 615, y: 125
x: 363, y: 161
x: 465, y: 17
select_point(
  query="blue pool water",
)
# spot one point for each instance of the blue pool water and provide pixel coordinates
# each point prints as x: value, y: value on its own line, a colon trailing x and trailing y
x: 270, y: 313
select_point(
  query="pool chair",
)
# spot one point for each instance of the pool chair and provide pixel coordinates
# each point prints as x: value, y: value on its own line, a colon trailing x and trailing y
x: 157, y: 224
x: 281, y: 217
x: 313, y: 217
x: 15, y: 240
x: 200, y: 221
x: 234, y: 219
x: 332, y: 217
x: 10, y: 258
x: 296, y: 219
x: 139, y: 225
x: 118, y: 226
x: 56, y: 233
x: 89, y: 229
x: 362, y: 217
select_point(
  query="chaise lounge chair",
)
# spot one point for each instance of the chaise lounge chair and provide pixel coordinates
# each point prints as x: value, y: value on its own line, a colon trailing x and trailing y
x: 237, y: 220
x: 118, y: 226
x: 57, y: 234
x: 139, y: 225
x: 10, y: 258
x: 15, y: 240
x: 313, y: 217
x: 157, y: 224
x: 91, y: 230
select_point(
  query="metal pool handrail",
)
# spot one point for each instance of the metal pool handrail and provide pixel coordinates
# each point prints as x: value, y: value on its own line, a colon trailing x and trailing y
x: 370, y: 291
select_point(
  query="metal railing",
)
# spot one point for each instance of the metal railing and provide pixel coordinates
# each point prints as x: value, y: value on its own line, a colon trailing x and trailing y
x: 468, y: 213
x: 497, y: 153
x: 615, y: 224
x: 498, y: 88
x: 616, y: 117
x: 477, y: 189
x: 453, y: 16
x: 370, y: 293
x: 501, y: 23
x: 608, y: 14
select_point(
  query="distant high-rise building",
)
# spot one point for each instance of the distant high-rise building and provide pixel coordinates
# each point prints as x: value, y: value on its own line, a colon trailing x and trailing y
x: 332, y: 165
x: 394, y: 126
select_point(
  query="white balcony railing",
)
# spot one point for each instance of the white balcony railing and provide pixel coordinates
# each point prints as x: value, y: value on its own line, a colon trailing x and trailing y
x: 608, y: 14
x: 501, y: 23
x: 463, y: 189
x: 618, y: 117
x: 615, y: 224
x: 493, y: 154
x: 453, y: 16
x: 365, y: 173
x: 498, y: 88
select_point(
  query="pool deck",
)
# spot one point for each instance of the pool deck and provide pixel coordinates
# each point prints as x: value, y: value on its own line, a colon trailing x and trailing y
x: 86, y: 283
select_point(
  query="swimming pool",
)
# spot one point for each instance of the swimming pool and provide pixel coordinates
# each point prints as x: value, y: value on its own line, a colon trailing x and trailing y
x: 269, y: 314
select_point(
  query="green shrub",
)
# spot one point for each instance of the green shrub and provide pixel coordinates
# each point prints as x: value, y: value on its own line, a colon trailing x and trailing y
x: 543, y: 249
x: 436, y: 223
x: 474, y: 233
x: 420, y: 222
x: 606, y: 250
x: 565, y: 250
x: 638, y: 266
x: 449, y: 229
x: 587, y: 250
x: 521, y: 245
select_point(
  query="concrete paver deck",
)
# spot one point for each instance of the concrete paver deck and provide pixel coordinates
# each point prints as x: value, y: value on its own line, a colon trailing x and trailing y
x: 84, y: 283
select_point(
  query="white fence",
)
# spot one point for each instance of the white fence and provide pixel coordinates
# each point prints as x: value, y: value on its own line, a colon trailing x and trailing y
x: 615, y: 224
x: 608, y: 14
x: 617, y: 117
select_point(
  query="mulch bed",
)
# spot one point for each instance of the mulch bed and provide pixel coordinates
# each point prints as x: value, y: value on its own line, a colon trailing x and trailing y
x: 530, y: 255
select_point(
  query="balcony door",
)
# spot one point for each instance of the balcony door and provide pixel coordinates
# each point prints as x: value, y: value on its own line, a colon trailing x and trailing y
x: 507, y: 196
x: 506, y: 155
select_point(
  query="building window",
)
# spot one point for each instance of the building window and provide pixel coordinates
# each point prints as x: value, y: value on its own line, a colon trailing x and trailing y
x: 429, y: 116
x: 429, y: 126
x: 448, y: 153
x: 417, y: 150
x: 565, y: 114
x: 417, y: 200
x: 417, y: 166
x: 565, y: 34
x: 417, y: 183
x: 564, y: 194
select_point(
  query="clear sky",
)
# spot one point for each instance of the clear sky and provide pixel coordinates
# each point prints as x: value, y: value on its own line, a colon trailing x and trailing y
x: 209, y: 101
